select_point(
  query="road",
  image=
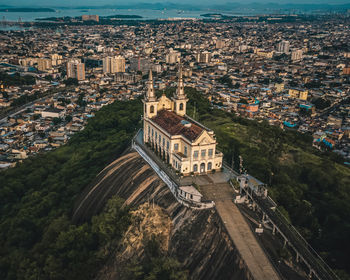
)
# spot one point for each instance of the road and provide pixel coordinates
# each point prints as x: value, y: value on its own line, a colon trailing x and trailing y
x: 239, y: 231
x: 18, y: 110
x: 22, y: 108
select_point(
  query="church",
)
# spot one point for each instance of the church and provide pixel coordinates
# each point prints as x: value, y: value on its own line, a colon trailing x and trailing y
x: 188, y: 146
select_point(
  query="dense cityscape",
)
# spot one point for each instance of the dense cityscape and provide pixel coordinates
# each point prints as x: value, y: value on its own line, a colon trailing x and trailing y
x: 190, y: 147
x: 295, y: 76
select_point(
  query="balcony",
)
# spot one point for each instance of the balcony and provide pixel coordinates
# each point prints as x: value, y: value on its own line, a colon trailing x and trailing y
x: 181, y: 157
x: 218, y: 153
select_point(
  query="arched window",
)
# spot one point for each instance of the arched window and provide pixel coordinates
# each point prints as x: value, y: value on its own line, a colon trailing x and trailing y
x: 209, y: 166
x: 181, y: 106
x: 195, y: 168
x: 152, y: 109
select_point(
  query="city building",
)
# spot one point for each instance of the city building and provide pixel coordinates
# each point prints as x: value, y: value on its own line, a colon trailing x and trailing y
x: 44, y: 64
x: 172, y: 57
x: 203, y: 57
x: 298, y: 93
x: 90, y: 18
x: 76, y: 69
x: 297, y: 55
x: 56, y: 59
x: 346, y: 70
x: 279, y: 87
x: 140, y: 64
x: 219, y: 44
x: 188, y: 146
x: 114, y: 64
x: 283, y: 47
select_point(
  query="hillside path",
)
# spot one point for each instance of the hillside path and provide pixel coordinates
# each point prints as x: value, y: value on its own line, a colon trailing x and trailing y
x: 239, y: 231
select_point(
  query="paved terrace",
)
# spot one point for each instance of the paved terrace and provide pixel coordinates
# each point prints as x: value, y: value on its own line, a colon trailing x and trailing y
x: 253, y: 255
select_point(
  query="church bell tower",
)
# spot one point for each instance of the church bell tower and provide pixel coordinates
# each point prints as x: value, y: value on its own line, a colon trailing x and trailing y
x: 150, y: 101
x: 180, y: 99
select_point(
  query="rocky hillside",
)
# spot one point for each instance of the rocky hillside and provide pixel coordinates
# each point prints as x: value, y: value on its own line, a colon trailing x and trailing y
x: 196, y: 238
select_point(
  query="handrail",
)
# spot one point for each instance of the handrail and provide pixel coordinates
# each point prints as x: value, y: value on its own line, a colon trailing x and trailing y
x: 319, y: 266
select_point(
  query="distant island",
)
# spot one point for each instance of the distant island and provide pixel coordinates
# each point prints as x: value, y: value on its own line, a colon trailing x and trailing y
x: 123, y: 16
x: 54, y: 19
x: 27, y: 10
x: 212, y: 15
x: 104, y: 19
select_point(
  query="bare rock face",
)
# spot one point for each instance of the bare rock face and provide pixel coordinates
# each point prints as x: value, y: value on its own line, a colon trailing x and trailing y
x: 196, y: 238
x: 148, y: 221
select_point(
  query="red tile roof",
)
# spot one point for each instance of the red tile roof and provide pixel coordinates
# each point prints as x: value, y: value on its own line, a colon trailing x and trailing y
x: 171, y: 123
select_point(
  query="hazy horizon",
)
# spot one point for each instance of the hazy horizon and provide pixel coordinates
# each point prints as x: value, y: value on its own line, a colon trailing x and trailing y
x: 69, y: 3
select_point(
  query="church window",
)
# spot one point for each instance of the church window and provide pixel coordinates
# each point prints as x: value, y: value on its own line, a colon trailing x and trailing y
x: 209, y: 165
x: 152, y: 109
x: 181, y: 106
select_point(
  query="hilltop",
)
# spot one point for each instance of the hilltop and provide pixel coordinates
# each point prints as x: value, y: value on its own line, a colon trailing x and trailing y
x: 37, y: 196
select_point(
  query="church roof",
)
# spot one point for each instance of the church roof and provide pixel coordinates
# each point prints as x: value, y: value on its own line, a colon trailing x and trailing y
x: 177, y: 125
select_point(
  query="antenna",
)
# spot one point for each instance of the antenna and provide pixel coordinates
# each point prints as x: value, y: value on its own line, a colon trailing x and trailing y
x: 194, y: 110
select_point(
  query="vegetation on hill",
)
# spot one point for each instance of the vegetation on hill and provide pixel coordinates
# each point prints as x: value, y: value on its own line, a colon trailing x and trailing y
x: 37, y: 239
x: 16, y: 79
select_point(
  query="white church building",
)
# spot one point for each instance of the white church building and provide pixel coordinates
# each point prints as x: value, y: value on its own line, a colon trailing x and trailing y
x: 181, y: 141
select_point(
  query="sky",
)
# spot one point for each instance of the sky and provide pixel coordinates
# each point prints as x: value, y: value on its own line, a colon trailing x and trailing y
x: 70, y: 3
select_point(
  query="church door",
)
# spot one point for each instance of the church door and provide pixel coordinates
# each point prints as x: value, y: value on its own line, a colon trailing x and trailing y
x: 202, y: 170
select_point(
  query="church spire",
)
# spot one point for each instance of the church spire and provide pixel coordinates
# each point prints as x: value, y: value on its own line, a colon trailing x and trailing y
x: 150, y: 90
x: 180, y: 91
x: 180, y: 98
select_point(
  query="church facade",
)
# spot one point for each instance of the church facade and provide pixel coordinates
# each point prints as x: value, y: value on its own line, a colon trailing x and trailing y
x: 188, y: 146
